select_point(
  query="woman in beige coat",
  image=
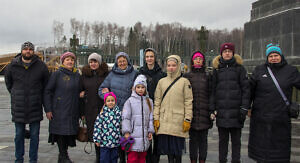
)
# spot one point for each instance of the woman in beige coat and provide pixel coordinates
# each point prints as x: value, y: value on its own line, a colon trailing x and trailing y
x: 173, y: 113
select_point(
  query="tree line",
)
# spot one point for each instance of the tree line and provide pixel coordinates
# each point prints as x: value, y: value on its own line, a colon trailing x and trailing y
x: 168, y: 38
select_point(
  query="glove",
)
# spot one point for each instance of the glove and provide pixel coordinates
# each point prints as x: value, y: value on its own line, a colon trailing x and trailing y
x: 186, y: 126
x: 156, y: 125
x: 243, y: 113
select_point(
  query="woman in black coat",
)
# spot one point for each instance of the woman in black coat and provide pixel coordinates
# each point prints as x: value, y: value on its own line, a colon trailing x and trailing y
x: 200, y: 81
x: 92, y: 77
x: 270, y: 124
x: 62, y: 105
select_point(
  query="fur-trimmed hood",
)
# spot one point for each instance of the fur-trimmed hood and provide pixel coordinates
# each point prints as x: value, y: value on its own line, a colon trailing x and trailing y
x: 216, y: 60
x: 101, y: 71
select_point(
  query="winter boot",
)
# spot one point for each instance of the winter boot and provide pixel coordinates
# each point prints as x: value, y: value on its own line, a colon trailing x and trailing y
x: 171, y: 158
x: 202, y: 161
x: 178, y: 158
x: 193, y: 161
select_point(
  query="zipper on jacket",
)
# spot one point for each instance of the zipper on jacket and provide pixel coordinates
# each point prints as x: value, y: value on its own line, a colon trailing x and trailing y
x: 143, y: 123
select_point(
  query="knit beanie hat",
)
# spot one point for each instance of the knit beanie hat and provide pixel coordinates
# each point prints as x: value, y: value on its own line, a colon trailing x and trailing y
x: 27, y: 44
x: 272, y: 48
x: 96, y: 57
x: 198, y: 54
x: 65, y: 55
x: 110, y: 94
x: 227, y: 45
x: 141, y: 79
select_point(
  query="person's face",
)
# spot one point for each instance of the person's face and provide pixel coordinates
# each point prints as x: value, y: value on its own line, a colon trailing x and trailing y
x: 140, y: 89
x: 274, y: 58
x: 198, y: 61
x: 122, y: 63
x: 94, y: 64
x: 227, y: 54
x: 69, y: 62
x: 110, y: 102
x: 27, y: 53
x: 171, y: 66
x: 149, y: 58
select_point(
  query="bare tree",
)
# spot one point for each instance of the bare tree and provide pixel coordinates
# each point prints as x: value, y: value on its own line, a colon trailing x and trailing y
x: 58, y: 30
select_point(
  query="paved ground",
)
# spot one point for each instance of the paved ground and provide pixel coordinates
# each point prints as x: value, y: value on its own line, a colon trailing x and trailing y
x: 48, y: 153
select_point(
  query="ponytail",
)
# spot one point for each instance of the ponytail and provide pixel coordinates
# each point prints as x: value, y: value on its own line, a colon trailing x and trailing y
x: 149, y: 104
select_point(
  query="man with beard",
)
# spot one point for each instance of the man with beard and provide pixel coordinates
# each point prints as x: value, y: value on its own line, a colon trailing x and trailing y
x: 25, y: 78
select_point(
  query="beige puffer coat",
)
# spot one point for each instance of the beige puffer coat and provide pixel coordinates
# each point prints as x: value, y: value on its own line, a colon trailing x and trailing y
x: 177, y: 104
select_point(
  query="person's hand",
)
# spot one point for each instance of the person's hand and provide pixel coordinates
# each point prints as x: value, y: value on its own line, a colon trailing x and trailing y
x: 49, y: 115
x: 243, y: 113
x: 81, y: 95
x: 156, y: 125
x: 83, y: 118
x: 149, y: 136
x: 249, y: 113
x: 213, y: 115
x: 127, y: 135
x: 186, y: 126
x: 105, y: 90
x: 97, y: 144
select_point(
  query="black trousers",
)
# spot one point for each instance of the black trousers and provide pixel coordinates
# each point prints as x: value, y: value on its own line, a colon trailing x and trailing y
x: 235, y: 134
x: 198, y: 144
x: 152, y: 153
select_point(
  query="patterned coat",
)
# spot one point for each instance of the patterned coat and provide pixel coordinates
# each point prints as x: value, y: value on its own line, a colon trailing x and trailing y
x: 107, y: 127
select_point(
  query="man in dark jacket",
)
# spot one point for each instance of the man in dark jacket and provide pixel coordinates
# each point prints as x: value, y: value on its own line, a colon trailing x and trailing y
x: 153, y: 73
x: 25, y: 78
x: 229, y: 100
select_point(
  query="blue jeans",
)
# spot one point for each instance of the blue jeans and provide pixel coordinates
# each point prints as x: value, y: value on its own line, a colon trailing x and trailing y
x: 34, y: 141
x: 109, y: 155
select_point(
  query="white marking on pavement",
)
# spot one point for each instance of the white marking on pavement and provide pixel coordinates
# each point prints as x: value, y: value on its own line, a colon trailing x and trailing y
x: 2, y: 147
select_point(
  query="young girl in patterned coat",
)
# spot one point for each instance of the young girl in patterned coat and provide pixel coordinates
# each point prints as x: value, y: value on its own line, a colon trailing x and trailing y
x: 107, y: 129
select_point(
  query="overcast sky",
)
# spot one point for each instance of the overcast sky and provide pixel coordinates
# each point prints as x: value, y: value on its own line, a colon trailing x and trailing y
x: 23, y: 20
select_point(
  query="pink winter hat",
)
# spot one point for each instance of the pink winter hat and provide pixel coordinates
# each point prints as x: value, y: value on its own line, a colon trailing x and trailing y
x: 110, y: 94
x: 65, y: 55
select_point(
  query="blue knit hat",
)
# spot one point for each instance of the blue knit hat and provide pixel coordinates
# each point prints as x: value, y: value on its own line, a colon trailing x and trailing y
x: 272, y: 48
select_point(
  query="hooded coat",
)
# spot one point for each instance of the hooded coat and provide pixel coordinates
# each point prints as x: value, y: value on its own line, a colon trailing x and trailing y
x: 200, y: 81
x: 230, y: 91
x: 90, y: 81
x: 176, y: 106
x: 119, y: 81
x: 62, y: 99
x: 137, y: 119
x: 26, y: 87
x: 270, y: 124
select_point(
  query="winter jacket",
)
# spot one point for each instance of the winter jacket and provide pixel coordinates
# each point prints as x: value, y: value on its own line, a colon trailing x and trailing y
x: 200, y: 81
x: 90, y: 81
x: 270, y: 124
x: 62, y: 99
x: 177, y: 105
x: 26, y: 86
x: 137, y: 119
x: 120, y: 82
x: 230, y: 91
x: 107, y: 127
x: 153, y: 76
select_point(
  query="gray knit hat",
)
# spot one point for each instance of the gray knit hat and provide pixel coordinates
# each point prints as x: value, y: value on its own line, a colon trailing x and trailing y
x: 96, y: 57
x: 27, y: 44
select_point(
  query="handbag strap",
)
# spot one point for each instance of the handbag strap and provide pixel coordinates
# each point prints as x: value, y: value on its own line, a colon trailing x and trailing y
x: 278, y: 87
x: 90, y: 148
x: 170, y: 87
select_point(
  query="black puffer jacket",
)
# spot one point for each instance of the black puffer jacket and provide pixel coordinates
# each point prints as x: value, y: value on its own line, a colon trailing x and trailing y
x: 270, y: 124
x: 153, y: 76
x: 200, y: 81
x: 230, y: 91
x: 26, y: 86
x: 90, y: 81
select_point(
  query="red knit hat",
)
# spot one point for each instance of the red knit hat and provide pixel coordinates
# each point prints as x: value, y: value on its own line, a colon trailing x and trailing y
x: 227, y: 45
x: 65, y: 55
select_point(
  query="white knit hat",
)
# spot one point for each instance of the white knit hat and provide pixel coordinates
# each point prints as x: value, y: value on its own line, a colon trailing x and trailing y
x: 141, y: 79
x: 96, y: 57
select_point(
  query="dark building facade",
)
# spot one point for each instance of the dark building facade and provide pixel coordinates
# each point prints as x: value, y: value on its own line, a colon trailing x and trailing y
x: 276, y: 21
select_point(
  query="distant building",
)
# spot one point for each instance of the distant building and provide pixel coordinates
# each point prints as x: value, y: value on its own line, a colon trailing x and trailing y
x: 276, y: 21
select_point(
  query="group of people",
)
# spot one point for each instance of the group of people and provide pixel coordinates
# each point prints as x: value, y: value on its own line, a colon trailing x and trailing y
x: 147, y: 113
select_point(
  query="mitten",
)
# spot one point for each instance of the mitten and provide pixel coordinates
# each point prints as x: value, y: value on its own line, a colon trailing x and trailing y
x: 156, y: 125
x: 186, y: 125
